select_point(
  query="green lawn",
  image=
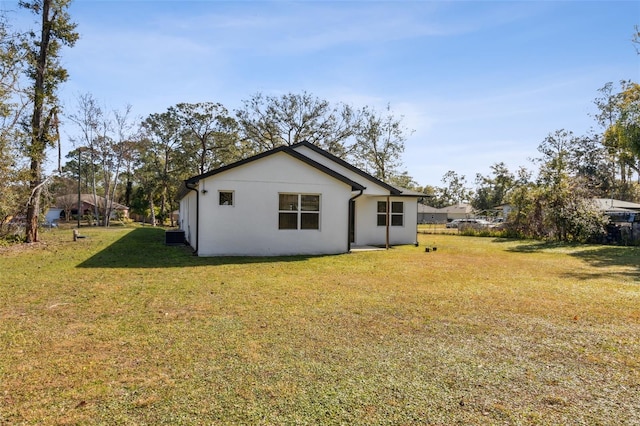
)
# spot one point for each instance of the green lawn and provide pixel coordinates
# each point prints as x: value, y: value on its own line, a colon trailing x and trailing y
x: 117, y: 328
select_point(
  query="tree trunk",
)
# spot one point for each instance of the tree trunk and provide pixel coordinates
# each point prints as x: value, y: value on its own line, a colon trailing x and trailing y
x: 152, y: 210
x: 111, y: 200
x: 96, y: 211
x: 32, y: 216
x: 107, y: 197
x: 38, y: 134
x: 128, y: 191
x: 46, y: 74
x: 163, y: 205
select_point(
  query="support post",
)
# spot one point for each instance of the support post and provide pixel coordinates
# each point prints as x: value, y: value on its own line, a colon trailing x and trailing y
x: 79, y: 200
x: 388, y: 221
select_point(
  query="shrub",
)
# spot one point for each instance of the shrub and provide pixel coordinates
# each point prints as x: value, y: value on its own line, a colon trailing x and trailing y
x: 11, y: 234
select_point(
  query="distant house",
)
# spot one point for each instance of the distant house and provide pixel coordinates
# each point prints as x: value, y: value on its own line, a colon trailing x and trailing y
x: 458, y: 211
x: 504, y: 210
x: 430, y: 215
x: 52, y: 216
x: 293, y: 200
x: 68, y: 206
x: 618, y: 210
x: 624, y: 217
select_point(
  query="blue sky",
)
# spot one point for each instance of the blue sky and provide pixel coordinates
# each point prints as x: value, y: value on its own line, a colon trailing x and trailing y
x: 480, y: 82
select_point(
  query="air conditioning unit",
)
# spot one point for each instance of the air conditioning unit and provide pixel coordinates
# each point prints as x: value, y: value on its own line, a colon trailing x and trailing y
x: 174, y: 238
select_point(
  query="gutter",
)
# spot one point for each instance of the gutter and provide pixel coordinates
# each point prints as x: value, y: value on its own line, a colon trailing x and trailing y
x: 195, y: 189
x: 349, y: 219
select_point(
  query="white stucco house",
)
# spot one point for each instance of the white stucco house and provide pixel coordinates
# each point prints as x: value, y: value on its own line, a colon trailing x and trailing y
x: 293, y: 200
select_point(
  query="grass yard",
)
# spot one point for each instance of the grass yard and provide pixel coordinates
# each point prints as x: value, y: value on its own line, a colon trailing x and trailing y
x: 118, y: 329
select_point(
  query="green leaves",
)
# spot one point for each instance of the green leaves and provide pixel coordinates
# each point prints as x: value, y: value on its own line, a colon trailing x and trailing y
x: 44, y: 69
x: 620, y: 117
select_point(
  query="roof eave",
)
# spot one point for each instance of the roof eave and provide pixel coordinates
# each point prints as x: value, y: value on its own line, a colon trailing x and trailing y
x: 355, y: 186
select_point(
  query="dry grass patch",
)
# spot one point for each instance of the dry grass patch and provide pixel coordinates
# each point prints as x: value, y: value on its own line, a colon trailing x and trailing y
x: 119, y: 329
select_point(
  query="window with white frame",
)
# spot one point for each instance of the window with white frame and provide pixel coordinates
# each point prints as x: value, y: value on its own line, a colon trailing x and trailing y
x: 225, y: 198
x: 397, y: 213
x: 298, y: 211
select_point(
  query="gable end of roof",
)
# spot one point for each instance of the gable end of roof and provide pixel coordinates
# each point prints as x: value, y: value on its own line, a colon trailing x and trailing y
x: 354, y: 185
x: 286, y: 149
x: 195, y: 179
x: 393, y: 190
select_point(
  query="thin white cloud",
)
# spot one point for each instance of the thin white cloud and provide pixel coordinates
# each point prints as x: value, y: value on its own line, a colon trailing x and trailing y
x: 479, y: 82
x: 295, y: 27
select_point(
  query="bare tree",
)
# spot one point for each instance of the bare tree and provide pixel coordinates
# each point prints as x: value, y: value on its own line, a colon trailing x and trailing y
x: 121, y: 151
x: 67, y: 202
x: 208, y: 132
x: 267, y: 122
x: 380, y: 143
x: 107, y: 138
x: 89, y: 119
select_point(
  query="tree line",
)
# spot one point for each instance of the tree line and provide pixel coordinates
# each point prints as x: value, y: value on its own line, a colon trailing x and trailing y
x: 555, y: 201
x: 140, y: 162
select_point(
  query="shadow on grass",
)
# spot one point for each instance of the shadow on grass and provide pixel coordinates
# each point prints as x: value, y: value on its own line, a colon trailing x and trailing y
x: 145, y: 248
x: 535, y: 246
x: 626, y: 258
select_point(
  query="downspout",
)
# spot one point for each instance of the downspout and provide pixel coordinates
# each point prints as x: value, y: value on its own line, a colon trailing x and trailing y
x: 388, y: 220
x: 349, y: 219
x: 417, y: 214
x: 193, y: 188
